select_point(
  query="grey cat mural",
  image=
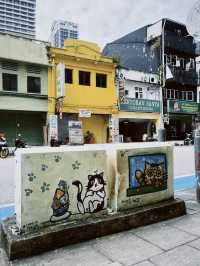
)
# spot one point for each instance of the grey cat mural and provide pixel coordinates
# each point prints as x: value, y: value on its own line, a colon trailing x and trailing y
x: 93, y: 200
x: 60, y: 204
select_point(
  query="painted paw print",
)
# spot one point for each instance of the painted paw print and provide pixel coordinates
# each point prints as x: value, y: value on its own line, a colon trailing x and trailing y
x: 76, y: 165
x: 44, y: 167
x: 31, y: 177
x: 45, y: 187
x: 28, y: 192
x: 57, y: 158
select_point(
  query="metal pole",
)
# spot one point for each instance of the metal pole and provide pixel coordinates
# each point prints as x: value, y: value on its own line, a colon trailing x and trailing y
x: 161, y: 131
x: 197, y: 162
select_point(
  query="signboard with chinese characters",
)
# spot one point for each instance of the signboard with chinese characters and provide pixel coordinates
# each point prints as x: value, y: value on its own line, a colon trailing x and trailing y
x: 53, y: 127
x: 60, y: 80
x: 75, y: 132
x: 186, y: 107
x: 85, y: 113
x: 114, y: 129
x: 140, y: 105
x: 121, y: 87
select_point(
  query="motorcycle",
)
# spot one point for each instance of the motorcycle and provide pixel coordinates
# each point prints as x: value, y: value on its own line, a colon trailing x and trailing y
x: 19, y: 144
x: 189, y: 139
x: 4, y: 151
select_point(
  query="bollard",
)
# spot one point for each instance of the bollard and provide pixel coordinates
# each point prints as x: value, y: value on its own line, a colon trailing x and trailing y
x: 197, y: 162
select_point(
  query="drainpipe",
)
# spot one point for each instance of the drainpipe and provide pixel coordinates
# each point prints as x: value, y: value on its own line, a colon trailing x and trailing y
x: 161, y: 131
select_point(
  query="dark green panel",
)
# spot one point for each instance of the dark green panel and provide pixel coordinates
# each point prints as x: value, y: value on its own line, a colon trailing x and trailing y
x: 29, y: 125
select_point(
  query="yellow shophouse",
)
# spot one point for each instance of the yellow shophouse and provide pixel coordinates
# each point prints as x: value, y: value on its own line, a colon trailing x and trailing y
x: 89, y: 92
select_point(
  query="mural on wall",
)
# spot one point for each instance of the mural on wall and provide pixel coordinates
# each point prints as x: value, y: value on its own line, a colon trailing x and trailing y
x: 147, y: 174
x: 69, y: 186
x: 60, y: 203
x: 93, y: 200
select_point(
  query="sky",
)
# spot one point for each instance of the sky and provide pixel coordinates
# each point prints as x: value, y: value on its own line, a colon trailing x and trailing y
x: 103, y: 21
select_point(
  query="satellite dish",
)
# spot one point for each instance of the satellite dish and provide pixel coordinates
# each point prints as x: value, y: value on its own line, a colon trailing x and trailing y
x: 193, y: 21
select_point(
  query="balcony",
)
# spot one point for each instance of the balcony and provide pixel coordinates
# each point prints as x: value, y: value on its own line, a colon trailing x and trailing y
x: 184, y: 77
x: 179, y: 44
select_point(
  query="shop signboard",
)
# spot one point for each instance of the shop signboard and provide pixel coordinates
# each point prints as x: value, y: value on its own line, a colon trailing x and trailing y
x: 75, y: 132
x: 85, y: 113
x: 186, y: 107
x: 140, y: 105
x: 60, y: 80
x: 53, y: 127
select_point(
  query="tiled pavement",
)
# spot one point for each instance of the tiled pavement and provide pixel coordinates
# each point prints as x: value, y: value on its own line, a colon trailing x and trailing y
x: 172, y: 243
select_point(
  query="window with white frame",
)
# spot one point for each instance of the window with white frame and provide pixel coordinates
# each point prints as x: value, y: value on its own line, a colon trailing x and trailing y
x: 138, y: 93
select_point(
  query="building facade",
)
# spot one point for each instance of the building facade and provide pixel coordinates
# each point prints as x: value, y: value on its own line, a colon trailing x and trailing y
x: 167, y: 50
x: 23, y: 89
x: 18, y: 17
x: 62, y: 30
x: 89, y: 88
x: 139, y: 105
x: 180, y: 79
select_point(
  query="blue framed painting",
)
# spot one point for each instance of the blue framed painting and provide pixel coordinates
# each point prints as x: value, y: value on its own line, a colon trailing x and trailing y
x: 147, y: 174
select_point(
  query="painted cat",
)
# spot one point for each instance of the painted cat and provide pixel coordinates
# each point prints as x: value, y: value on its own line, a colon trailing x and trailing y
x: 93, y: 200
x: 152, y: 176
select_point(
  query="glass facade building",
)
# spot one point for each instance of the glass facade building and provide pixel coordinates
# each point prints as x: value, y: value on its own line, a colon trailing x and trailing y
x: 18, y: 17
x: 62, y: 30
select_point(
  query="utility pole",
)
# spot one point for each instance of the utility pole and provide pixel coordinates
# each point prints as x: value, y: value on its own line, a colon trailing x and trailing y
x: 161, y: 131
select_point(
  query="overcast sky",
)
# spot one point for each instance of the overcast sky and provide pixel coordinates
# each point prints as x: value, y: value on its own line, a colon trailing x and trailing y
x: 103, y: 21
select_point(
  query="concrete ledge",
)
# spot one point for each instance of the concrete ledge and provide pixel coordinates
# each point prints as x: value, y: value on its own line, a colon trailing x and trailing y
x: 53, y: 237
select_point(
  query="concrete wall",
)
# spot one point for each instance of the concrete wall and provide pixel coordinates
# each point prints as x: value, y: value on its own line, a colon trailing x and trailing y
x: 24, y: 50
x: 23, y: 104
x: 48, y: 181
x: 44, y: 184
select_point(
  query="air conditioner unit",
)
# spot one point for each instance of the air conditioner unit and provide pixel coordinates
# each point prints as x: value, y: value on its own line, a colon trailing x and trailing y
x: 152, y: 79
x: 145, y: 79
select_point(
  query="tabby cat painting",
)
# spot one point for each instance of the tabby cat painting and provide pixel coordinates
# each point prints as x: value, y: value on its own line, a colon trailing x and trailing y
x: 147, y: 174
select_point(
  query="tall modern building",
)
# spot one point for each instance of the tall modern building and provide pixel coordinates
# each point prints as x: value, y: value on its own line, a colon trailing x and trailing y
x: 18, y: 17
x: 62, y: 30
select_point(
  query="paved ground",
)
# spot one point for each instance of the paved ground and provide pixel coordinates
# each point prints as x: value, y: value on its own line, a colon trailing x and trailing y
x: 183, y: 165
x: 172, y: 243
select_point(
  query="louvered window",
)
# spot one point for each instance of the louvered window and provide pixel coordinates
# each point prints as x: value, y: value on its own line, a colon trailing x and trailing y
x: 33, y: 69
x: 9, y: 65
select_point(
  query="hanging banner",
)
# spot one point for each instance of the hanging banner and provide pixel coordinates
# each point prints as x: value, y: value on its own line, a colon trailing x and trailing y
x: 60, y: 80
x: 53, y: 127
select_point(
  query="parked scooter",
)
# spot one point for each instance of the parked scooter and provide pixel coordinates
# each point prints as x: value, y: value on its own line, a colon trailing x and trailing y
x: 4, y: 151
x: 19, y: 143
x: 189, y: 139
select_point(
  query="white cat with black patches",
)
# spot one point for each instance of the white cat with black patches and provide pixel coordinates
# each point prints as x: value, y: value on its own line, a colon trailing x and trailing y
x: 93, y: 200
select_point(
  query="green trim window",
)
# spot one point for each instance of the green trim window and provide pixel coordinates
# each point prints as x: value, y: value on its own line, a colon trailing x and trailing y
x: 9, y: 82
x: 33, y: 84
x: 101, y: 80
x: 84, y: 78
x: 68, y: 76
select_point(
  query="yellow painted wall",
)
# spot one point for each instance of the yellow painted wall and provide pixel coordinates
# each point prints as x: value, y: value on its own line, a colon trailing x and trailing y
x: 80, y: 55
x: 96, y: 124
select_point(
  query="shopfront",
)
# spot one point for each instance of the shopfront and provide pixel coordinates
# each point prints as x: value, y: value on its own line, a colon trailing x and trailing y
x: 138, y: 119
x: 182, y: 116
x: 27, y: 125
